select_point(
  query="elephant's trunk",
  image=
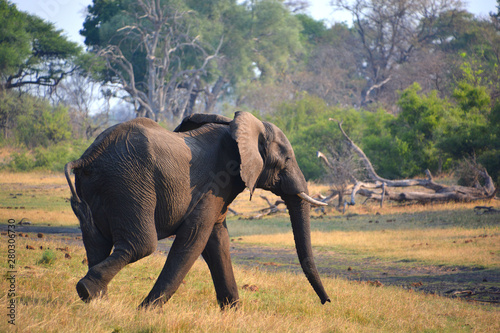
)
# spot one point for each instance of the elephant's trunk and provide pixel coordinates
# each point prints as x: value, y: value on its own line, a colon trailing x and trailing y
x: 300, y: 218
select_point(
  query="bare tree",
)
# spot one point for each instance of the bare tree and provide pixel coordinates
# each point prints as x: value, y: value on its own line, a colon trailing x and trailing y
x: 343, y: 169
x: 331, y: 74
x: 164, y: 34
x: 88, y: 103
x: 391, y: 32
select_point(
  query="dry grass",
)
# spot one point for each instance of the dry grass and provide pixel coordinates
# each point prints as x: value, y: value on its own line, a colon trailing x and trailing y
x: 47, y: 300
x: 41, y: 217
x: 41, y: 198
x: 284, y: 302
x: 31, y: 178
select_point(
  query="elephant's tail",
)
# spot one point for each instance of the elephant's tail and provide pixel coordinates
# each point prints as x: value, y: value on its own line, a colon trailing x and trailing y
x: 67, y: 171
x: 81, y: 208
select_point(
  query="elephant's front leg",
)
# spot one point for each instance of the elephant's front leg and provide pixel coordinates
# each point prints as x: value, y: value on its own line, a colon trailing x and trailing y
x: 218, y: 259
x: 190, y: 240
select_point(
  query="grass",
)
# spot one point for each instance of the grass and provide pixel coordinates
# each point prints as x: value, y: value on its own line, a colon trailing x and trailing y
x: 284, y: 302
x: 454, y: 236
x: 453, y: 246
x: 41, y: 198
x: 448, y: 234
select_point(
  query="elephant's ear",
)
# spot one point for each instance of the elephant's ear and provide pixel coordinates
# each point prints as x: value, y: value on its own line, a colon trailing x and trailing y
x: 199, y: 119
x: 248, y: 132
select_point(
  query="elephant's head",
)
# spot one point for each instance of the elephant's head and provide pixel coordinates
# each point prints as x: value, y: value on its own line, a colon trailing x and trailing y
x: 268, y: 162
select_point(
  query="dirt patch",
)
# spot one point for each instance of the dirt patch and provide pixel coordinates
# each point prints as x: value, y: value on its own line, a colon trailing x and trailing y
x: 474, y: 284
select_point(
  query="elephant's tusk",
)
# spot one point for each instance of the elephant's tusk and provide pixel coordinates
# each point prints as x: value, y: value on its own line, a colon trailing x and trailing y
x: 312, y: 201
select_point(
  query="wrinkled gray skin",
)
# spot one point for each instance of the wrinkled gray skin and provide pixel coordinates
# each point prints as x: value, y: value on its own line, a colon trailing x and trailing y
x: 138, y: 183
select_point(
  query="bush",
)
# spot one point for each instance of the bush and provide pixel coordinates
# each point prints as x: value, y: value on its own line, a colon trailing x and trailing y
x: 21, y: 162
x: 43, y: 126
x: 52, y: 158
x: 307, y: 125
x: 48, y: 258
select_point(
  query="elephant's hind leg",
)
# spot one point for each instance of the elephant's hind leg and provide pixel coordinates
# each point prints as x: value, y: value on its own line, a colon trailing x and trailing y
x: 94, y: 283
x: 97, y: 252
x: 218, y: 259
x: 134, y: 241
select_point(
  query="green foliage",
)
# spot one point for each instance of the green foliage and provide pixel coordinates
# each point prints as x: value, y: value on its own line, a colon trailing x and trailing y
x: 14, y: 39
x: 32, y: 51
x: 308, y: 126
x: 429, y: 132
x: 471, y: 94
x: 418, y: 129
x: 473, y: 130
x: 39, y: 133
x: 490, y: 157
x: 44, y: 126
x: 312, y: 31
x: 22, y: 162
x: 33, y: 121
x: 52, y: 158
x: 48, y: 258
x: 271, y: 54
x: 379, y: 145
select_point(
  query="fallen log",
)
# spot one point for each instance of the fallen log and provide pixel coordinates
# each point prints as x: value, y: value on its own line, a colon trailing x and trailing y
x: 440, y: 192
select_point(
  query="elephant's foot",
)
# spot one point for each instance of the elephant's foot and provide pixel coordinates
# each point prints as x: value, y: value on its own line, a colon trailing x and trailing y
x: 228, y: 305
x: 89, y: 290
x: 152, y: 302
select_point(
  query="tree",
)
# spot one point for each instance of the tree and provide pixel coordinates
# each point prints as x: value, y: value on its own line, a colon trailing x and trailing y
x: 154, y: 49
x: 306, y: 124
x: 168, y: 55
x: 442, y: 192
x: 32, y: 51
x: 474, y: 131
x: 330, y: 70
x: 82, y: 96
x: 418, y: 129
x: 261, y: 44
x: 391, y: 33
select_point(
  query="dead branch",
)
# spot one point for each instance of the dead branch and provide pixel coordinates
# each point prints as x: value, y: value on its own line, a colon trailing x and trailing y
x: 441, y: 193
x: 272, y: 209
x: 427, y: 183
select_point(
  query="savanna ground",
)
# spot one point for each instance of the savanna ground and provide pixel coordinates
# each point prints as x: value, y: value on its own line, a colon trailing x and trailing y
x: 401, y: 268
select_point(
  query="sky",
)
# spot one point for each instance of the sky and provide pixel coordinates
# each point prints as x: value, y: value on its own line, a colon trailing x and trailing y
x: 69, y: 15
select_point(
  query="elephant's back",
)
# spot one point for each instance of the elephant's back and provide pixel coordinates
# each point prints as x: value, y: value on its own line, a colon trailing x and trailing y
x: 135, y: 140
x: 135, y: 151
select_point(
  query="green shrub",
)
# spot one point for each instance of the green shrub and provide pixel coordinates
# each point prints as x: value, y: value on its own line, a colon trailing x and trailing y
x: 48, y: 258
x: 51, y: 158
x: 21, y: 162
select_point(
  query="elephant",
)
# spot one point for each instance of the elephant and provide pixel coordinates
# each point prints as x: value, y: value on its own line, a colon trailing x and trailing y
x: 138, y: 183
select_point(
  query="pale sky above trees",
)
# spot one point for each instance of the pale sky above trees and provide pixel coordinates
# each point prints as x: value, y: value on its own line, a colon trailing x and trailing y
x: 70, y: 14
